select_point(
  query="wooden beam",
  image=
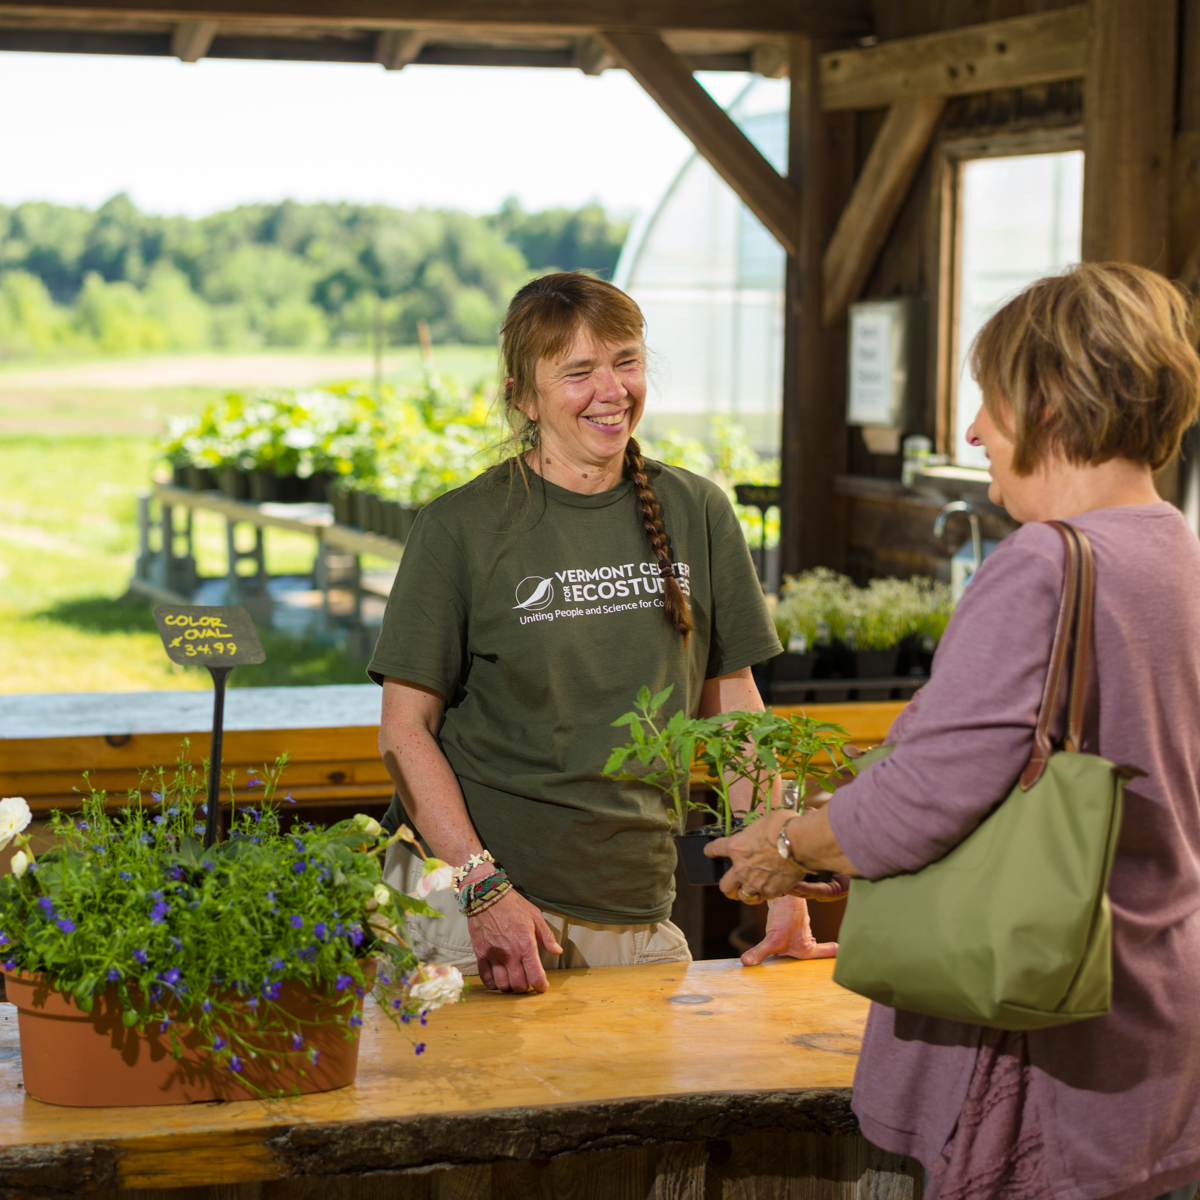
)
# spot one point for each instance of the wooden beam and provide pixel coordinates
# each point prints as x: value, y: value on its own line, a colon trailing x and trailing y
x: 815, y: 440
x: 770, y: 59
x: 1185, y: 208
x: 593, y: 57
x: 878, y: 194
x: 1127, y: 132
x: 977, y: 58
x: 842, y: 17
x: 396, y: 48
x: 191, y: 39
x: 773, y: 200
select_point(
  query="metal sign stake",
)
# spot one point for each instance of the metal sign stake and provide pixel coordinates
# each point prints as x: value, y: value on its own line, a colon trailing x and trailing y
x: 220, y: 676
x: 219, y: 638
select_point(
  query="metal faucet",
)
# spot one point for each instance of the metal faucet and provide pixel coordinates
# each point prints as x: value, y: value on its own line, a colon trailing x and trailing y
x: 962, y: 506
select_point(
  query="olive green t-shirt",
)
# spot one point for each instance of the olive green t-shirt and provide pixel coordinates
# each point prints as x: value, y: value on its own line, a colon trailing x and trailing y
x: 538, y: 616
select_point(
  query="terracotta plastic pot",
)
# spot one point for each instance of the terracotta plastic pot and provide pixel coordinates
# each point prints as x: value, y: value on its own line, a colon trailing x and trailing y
x: 91, y: 1060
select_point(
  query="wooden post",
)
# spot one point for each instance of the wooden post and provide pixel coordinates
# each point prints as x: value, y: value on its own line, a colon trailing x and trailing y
x: 821, y: 167
x: 1127, y: 140
x: 1185, y: 230
x: 1128, y: 118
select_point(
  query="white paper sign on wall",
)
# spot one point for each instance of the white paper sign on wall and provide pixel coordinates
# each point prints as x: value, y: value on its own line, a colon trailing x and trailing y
x: 872, y: 367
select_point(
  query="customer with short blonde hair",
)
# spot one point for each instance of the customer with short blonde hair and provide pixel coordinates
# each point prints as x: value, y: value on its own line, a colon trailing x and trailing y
x: 1089, y: 380
x: 1093, y: 365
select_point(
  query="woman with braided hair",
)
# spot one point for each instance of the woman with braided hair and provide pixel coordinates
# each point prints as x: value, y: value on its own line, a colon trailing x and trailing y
x: 529, y: 608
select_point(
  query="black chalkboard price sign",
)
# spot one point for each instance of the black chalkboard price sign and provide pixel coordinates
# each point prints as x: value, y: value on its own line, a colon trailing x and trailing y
x: 219, y: 638
x: 762, y: 496
x: 197, y: 636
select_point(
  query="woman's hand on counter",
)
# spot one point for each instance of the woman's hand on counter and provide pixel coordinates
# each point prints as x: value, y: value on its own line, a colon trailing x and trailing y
x: 506, y: 938
x: 789, y: 932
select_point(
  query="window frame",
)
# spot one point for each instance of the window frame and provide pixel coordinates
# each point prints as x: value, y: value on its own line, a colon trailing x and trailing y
x: 953, y: 151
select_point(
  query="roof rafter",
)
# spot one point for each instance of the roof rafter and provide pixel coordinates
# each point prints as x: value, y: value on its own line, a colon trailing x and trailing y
x: 583, y: 16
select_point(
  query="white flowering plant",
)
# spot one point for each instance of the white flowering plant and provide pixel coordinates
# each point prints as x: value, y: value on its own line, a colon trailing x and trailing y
x: 337, y: 430
x: 820, y: 606
x: 195, y: 941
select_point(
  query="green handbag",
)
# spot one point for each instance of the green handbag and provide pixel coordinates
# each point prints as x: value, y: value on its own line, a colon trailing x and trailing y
x: 1012, y: 928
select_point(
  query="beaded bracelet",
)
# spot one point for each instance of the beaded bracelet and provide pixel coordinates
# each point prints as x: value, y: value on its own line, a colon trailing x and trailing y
x: 476, y: 860
x: 484, y: 905
x: 475, y: 897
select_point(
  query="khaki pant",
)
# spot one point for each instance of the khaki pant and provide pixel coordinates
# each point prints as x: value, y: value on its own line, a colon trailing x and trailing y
x: 585, y: 943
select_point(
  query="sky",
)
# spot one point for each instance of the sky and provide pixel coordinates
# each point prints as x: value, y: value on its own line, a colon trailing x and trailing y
x: 193, y: 138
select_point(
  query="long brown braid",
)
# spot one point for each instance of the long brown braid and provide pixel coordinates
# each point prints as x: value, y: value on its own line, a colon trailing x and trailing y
x: 541, y: 323
x: 674, y: 600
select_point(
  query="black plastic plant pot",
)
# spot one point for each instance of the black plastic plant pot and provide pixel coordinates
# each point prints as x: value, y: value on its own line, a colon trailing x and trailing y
x: 699, y: 869
x: 316, y: 487
x: 200, y: 479
x: 789, y: 666
x: 876, y: 664
x: 342, y: 500
x: 235, y: 483
x: 268, y: 488
x: 362, y: 509
x: 179, y: 475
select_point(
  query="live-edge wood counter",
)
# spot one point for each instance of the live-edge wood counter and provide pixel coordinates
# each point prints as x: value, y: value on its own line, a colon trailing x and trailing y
x: 700, y: 1082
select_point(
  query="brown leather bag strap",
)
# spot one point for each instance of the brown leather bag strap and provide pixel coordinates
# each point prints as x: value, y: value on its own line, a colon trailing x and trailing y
x: 1067, y: 618
x: 1081, y: 655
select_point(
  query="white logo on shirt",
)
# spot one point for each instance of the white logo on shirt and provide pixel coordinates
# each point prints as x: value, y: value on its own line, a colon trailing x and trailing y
x: 534, y: 593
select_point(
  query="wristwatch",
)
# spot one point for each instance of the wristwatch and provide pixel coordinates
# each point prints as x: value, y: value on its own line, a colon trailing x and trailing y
x: 783, y: 844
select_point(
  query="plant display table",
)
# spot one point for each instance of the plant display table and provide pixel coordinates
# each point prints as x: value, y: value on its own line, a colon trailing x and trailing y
x: 708, y: 1080
x: 165, y: 575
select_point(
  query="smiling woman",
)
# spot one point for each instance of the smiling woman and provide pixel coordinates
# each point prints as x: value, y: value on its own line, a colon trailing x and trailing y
x: 529, y: 608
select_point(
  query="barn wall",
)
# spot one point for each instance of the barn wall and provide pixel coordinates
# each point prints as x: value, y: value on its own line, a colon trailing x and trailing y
x: 890, y: 528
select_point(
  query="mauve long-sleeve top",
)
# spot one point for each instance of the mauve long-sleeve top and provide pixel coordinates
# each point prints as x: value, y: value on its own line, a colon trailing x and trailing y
x: 1118, y: 1096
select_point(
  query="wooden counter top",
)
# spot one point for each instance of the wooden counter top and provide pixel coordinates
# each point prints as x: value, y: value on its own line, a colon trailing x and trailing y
x: 608, y: 1058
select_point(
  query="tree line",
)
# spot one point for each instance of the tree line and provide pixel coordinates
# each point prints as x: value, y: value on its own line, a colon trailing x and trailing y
x: 120, y: 281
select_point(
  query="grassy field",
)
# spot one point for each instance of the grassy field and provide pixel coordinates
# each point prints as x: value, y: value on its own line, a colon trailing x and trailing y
x: 71, y: 463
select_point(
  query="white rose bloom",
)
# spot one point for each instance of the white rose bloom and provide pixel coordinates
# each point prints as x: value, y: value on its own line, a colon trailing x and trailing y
x: 20, y: 863
x: 435, y: 984
x: 14, y: 817
x: 364, y: 824
x: 383, y: 897
x: 437, y: 880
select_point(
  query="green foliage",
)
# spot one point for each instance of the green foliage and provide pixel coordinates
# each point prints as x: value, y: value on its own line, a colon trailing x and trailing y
x: 727, y: 459
x: 821, y: 606
x: 561, y: 239
x: 440, y: 436
x: 758, y: 749
x: 119, y: 281
x: 131, y: 900
x: 407, y: 445
x: 30, y: 322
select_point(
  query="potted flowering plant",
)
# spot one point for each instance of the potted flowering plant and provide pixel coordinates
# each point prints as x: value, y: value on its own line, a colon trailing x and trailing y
x: 834, y: 630
x: 148, y: 970
x: 754, y: 749
x: 282, y: 445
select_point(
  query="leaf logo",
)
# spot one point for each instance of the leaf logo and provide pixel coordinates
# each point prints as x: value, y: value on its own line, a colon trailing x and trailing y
x: 534, y: 593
